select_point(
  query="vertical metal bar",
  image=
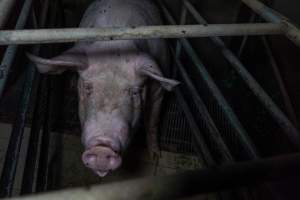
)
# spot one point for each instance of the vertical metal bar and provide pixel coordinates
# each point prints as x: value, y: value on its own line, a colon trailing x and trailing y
x: 182, y: 22
x: 258, y: 91
x: 38, y: 118
x: 13, y: 150
x: 6, y: 7
x: 11, y: 50
x: 43, y: 158
x: 241, y: 132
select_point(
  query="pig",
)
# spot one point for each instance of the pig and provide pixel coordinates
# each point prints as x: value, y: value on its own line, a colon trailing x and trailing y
x: 119, y: 81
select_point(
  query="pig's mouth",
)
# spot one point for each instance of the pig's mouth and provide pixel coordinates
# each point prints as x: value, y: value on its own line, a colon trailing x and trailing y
x: 102, y: 156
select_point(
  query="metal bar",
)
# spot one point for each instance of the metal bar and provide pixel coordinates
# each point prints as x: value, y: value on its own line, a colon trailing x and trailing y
x: 127, y: 33
x: 286, y: 98
x: 15, y: 141
x: 213, y: 131
x: 245, y: 38
x: 6, y: 7
x: 200, y: 146
x: 182, y: 22
x: 229, y: 113
x: 11, y: 51
x: 38, y: 118
x: 258, y: 91
x: 270, y: 15
x: 45, y: 141
x: 187, y: 183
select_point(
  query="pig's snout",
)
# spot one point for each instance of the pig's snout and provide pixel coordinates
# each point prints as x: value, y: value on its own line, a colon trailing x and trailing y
x: 101, y: 160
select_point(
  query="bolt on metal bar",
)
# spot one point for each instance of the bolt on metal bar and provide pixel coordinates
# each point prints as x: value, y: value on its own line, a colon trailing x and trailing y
x: 128, y: 33
x: 258, y: 91
x: 232, y: 118
x: 270, y: 15
x: 188, y: 183
x: 6, y: 7
x: 11, y: 50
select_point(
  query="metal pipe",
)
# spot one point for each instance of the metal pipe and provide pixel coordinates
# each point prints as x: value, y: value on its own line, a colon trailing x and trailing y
x: 38, y: 118
x: 229, y: 113
x: 45, y: 141
x: 286, y: 98
x: 6, y: 7
x: 11, y: 51
x: 187, y: 183
x: 213, y: 132
x: 15, y: 141
x: 127, y: 33
x: 258, y: 91
x: 199, y: 145
x: 270, y: 15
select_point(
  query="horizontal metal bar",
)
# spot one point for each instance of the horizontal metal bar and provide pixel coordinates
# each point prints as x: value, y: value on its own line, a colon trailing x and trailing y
x: 270, y: 15
x: 187, y: 183
x: 258, y: 91
x: 143, y: 32
x: 5, y: 10
x: 217, y: 94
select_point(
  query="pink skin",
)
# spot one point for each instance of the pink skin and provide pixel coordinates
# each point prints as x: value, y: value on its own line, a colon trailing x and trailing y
x: 117, y: 81
x: 101, y: 160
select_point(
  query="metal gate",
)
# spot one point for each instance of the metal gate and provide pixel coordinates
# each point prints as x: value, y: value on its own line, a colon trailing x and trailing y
x: 214, y: 131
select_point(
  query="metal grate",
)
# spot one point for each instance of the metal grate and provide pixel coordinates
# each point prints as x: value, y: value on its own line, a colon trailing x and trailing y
x: 175, y: 133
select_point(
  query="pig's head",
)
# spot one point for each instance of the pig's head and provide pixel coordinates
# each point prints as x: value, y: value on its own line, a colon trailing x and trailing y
x: 111, y: 93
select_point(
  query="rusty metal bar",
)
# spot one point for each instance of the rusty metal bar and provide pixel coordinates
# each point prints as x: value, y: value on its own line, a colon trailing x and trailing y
x: 188, y: 183
x: 270, y: 15
x: 5, y: 10
x: 126, y: 33
x: 258, y: 91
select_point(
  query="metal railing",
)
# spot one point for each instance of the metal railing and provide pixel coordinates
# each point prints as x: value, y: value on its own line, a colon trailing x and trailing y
x: 276, y: 24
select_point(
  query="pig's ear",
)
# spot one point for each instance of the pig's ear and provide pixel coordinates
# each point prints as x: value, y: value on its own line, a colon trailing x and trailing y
x: 72, y: 59
x: 154, y: 73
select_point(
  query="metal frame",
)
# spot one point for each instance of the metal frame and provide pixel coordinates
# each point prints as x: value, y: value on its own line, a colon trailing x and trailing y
x: 276, y: 24
x: 188, y: 183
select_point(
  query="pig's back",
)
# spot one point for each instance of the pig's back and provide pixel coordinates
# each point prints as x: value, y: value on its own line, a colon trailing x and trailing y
x: 127, y: 13
x: 110, y: 13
